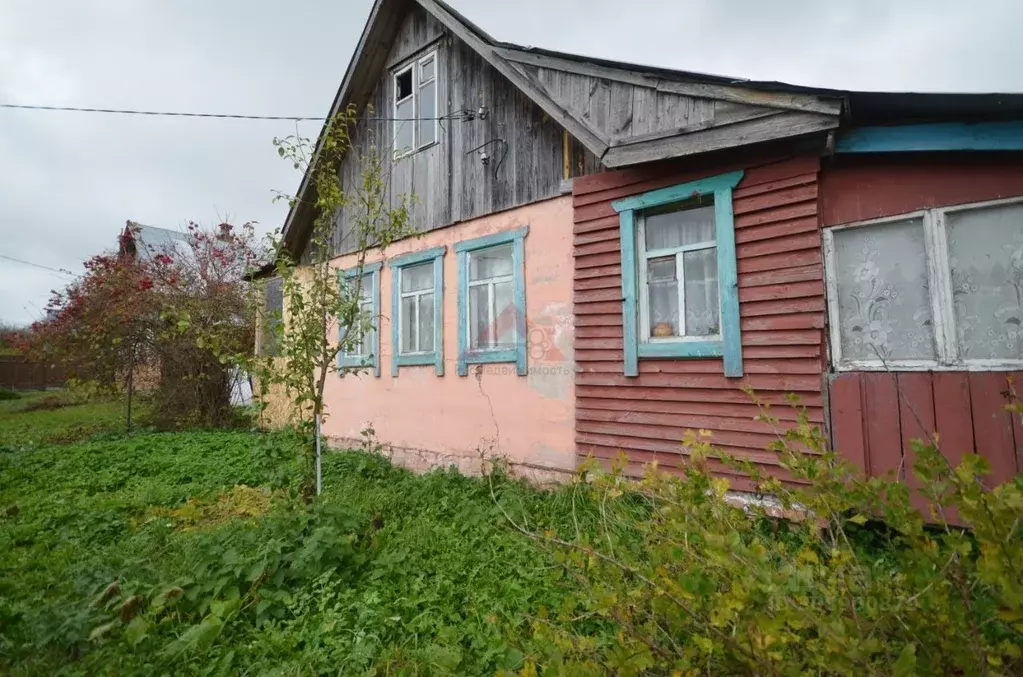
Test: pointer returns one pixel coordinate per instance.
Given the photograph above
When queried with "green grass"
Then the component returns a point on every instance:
(389, 573)
(20, 428)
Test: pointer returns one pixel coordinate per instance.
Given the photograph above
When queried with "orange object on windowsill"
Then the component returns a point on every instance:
(663, 330)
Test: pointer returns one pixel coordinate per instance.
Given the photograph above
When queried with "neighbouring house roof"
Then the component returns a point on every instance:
(806, 109)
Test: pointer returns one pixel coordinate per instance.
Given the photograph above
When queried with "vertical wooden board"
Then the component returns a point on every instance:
(599, 104)
(952, 415)
(992, 426)
(916, 416)
(881, 410)
(672, 111)
(619, 122)
(644, 110)
(1017, 419)
(847, 420)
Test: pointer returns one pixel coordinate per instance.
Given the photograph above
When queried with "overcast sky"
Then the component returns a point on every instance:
(69, 181)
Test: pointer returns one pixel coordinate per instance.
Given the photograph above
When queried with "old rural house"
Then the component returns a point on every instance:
(611, 252)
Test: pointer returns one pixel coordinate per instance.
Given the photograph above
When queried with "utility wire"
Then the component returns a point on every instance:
(38, 265)
(227, 116)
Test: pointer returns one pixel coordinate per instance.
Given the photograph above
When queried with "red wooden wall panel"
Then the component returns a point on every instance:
(875, 416)
(858, 189)
(781, 296)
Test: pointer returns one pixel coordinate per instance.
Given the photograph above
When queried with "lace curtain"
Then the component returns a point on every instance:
(883, 300)
(986, 256)
(698, 276)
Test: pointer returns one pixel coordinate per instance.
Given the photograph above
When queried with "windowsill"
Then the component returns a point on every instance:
(401, 156)
(417, 360)
(927, 365)
(689, 349)
(491, 356)
(363, 361)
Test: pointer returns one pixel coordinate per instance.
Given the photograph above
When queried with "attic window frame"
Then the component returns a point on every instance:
(414, 66)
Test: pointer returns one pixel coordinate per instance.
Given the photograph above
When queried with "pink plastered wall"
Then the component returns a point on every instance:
(427, 420)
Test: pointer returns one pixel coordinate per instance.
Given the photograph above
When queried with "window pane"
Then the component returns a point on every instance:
(663, 300)
(429, 70)
(883, 299)
(703, 312)
(417, 278)
(490, 263)
(666, 230)
(986, 251)
(427, 113)
(479, 317)
(403, 85)
(408, 324)
(404, 128)
(366, 308)
(426, 323)
(504, 305)
(661, 270)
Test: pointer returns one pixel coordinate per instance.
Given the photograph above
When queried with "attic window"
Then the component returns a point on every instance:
(416, 105)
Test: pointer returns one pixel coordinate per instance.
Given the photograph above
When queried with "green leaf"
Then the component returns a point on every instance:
(137, 630)
(906, 665)
(858, 519)
(102, 631)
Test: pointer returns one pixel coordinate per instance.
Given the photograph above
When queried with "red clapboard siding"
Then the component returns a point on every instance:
(875, 417)
(781, 296)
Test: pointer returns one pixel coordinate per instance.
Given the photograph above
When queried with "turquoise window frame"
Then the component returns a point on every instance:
(729, 347)
(372, 361)
(517, 354)
(436, 358)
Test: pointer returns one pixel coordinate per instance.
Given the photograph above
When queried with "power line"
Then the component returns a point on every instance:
(224, 116)
(38, 265)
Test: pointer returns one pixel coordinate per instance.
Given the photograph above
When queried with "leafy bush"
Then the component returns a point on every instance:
(9, 395)
(855, 584)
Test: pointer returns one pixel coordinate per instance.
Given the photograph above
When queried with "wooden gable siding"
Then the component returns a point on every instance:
(781, 296)
(875, 416)
(450, 184)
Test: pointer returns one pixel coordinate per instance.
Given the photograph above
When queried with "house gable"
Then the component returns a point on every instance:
(551, 117)
(448, 179)
(644, 114)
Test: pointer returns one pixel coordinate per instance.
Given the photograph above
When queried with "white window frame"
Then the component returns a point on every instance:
(366, 306)
(490, 283)
(402, 295)
(644, 257)
(416, 68)
(939, 280)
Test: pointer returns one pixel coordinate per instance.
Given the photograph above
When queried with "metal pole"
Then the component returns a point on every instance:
(319, 470)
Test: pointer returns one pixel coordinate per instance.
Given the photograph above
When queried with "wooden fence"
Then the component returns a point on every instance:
(17, 373)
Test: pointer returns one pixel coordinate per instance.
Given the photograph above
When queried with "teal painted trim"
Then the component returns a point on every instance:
(492, 240)
(414, 361)
(493, 357)
(630, 312)
(730, 345)
(417, 257)
(435, 357)
(680, 192)
(728, 283)
(463, 312)
(518, 355)
(682, 349)
(349, 273)
(519, 266)
(371, 361)
(438, 313)
(952, 136)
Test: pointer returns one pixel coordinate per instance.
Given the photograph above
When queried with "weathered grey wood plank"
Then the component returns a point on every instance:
(748, 131)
